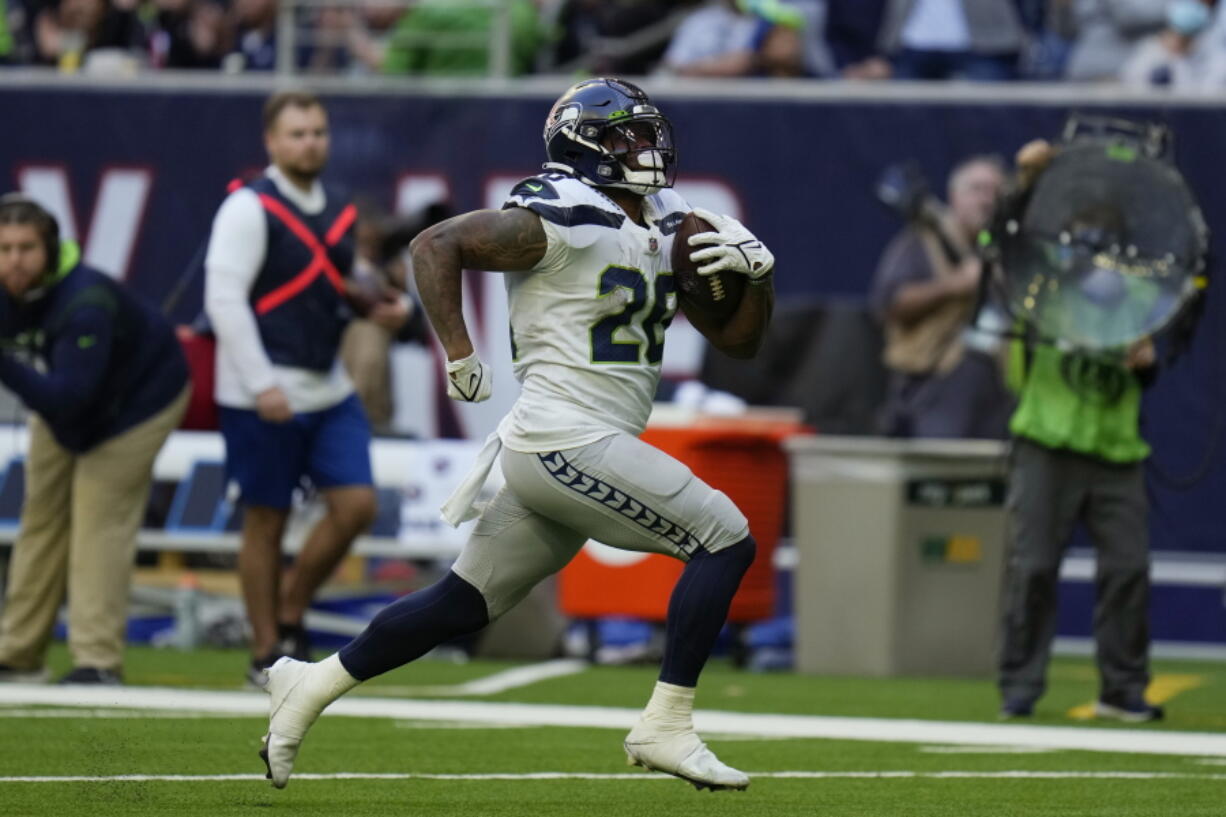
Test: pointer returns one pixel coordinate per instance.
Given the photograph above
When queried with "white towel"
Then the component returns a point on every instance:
(462, 505)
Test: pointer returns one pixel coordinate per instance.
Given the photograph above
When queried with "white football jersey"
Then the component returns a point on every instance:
(588, 322)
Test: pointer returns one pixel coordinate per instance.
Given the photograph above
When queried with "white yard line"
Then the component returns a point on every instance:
(457, 725)
(112, 714)
(984, 750)
(787, 775)
(1141, 741)
(499, 681)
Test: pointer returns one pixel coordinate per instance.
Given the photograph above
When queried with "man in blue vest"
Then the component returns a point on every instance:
(276, 286)
(107, 383)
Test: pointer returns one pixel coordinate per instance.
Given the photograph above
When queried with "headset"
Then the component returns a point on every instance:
(18, 208)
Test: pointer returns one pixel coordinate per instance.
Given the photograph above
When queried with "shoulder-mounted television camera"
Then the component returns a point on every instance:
(1106, 245)
(904, 190)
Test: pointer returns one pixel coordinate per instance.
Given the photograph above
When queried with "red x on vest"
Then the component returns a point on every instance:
(320, 263)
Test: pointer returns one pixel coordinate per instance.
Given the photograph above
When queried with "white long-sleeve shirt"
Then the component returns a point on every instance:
(235, 255)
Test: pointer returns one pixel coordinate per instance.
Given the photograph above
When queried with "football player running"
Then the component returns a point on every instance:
(585, 247)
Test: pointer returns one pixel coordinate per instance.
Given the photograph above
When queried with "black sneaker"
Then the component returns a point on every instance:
(93, 675)
(294, 642)
(12, 675)
(1129, 710)
(1016, 708)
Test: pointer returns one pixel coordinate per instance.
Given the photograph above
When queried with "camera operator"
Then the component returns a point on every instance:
(945, 381)
(1078, 456)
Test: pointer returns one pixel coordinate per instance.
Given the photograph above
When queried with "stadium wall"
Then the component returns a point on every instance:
(137, 167)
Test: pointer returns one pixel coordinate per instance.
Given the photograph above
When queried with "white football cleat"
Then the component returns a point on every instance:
(291, 714)
(684, 755)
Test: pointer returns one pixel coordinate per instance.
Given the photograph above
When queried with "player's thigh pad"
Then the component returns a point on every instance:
(511, 549)
(627, 494)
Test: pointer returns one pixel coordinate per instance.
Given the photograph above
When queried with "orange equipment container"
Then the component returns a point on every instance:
(739, 456)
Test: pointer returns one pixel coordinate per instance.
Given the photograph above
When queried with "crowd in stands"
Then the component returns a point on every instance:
(1173, 43)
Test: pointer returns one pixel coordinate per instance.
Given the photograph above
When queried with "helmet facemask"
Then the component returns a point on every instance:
(642, 148)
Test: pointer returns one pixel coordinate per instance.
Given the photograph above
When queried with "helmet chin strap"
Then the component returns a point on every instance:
(640, 189)
(642, 182)
(647, 180)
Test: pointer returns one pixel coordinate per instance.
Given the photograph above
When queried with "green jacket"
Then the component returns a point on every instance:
(1090, 405)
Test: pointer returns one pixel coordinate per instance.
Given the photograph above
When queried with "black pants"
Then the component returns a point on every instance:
(1049, 492)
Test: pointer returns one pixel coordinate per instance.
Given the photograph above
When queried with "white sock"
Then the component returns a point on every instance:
(671, 708)
(329, 680)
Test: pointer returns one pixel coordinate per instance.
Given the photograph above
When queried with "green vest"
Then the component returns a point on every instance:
(1077, 403)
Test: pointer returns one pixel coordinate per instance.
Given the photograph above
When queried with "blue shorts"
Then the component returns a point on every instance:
(269, 460)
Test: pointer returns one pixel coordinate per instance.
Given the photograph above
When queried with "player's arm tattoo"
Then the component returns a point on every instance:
(500, 240)
(510, 240)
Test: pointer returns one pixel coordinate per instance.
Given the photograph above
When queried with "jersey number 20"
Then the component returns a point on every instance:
(605, 347)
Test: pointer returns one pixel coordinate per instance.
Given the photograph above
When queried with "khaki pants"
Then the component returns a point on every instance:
(78, 534)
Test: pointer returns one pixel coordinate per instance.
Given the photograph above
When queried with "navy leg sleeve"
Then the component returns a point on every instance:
(410, 627)
(698, 607)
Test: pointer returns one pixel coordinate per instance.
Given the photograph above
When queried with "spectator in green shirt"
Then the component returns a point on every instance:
(452, 38)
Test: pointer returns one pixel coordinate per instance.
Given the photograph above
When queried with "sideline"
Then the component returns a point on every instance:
(795, 775)
(255, 704)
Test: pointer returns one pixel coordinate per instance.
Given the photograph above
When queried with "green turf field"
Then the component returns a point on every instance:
(117, 759)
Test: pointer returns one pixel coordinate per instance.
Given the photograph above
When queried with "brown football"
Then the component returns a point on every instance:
(716, 295)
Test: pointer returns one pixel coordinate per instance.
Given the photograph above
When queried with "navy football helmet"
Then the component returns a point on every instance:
(607, 133)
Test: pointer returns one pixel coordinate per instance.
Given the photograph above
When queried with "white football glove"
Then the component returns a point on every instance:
(468, 380)
(733, 248)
